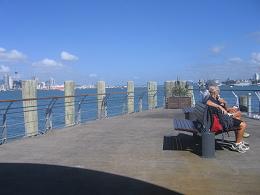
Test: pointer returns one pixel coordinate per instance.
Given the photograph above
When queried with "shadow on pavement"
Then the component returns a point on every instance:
(185, 142)
(21, 178)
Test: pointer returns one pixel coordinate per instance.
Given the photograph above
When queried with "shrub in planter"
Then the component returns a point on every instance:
(180, 97)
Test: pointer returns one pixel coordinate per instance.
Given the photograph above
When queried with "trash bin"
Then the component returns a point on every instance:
(208, 145)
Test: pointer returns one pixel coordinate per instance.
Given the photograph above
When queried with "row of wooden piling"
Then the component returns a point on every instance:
(29, 95)
(29, 91)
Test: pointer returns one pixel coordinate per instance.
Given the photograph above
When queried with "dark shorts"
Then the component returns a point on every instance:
(237, 122)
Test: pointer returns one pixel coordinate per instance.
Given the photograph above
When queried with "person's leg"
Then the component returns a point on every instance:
(238, 115)
(240, 146)
(240, 132)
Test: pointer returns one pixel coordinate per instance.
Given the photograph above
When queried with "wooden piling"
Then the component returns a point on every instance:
(152, 94)
(29, 91)
(130, 96)
(69, 90)
(168, 86)
(191, 94)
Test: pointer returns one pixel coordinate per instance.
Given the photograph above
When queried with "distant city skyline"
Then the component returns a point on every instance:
(116, 41)
(15, 83)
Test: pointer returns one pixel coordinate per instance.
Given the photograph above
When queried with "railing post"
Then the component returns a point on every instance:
(101, 94)
(29, 91)
(49, 121)
(69, 90)
(4, 130)
(79, 114)
(168, 86)
(237, 99)
(140, 104)
(104, 107)
(48, 115)
(130, 96)
(79, 110)
(243, 103)
(258, 96)
(3, 137)
(152, 97)
(249, 104)
(155, 95)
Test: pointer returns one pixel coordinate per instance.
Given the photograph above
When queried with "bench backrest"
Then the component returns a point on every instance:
(201, 114)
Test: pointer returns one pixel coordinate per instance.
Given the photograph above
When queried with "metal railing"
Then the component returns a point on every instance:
(51, 111)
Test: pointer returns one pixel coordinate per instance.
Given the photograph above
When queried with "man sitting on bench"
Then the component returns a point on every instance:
(213, 100)
(234, 111)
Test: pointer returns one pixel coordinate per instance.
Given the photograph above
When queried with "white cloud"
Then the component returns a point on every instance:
(92, 75)
(67, 56)
(4, 69)
(235, 60)
(12, 55)
(217, 49)
(2, 49)
(255, 58)
(47, 63)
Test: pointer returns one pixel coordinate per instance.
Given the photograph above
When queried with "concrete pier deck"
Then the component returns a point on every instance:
(124, 155)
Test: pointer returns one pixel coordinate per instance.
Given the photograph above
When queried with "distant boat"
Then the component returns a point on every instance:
(243, 84)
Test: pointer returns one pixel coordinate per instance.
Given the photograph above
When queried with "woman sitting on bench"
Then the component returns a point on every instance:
(214, 101)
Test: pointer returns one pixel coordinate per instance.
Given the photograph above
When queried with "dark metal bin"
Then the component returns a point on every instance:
(208, 145)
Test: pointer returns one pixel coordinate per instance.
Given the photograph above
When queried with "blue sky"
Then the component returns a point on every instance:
(124, 40)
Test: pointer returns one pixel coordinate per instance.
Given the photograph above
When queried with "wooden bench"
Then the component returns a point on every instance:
(200, 113)
(199, 128)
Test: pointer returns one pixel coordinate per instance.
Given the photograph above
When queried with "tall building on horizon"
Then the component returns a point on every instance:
(256, 77)
(8, 82)
(52, 81)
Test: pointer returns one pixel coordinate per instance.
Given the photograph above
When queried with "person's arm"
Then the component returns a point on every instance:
(230, 110)
(223, 103)
(210, 103)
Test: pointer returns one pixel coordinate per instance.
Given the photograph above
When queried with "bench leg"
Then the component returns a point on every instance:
(197, 143)
(208, 145)
(187, 115)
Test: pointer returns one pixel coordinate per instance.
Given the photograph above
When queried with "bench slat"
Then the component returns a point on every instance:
(191, 125)
(184, 125)
(198, 112)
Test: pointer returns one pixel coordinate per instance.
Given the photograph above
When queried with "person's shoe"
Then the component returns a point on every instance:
(238, 147)
(246, 135)
(245, 143)
(245, 147)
